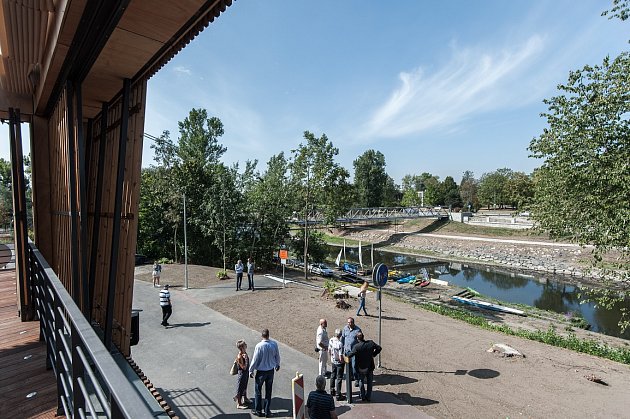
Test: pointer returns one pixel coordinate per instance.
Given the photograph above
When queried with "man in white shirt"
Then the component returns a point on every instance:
(165, 304)
(335, 350)
(321, 346)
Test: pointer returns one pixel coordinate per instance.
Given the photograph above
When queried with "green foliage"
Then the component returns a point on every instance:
(330, 286)
(222, 274)
(549, 336)
(370, 179)
(450, 192)
(468, 190)
(317, 246)
(492, 190)
(620, 10)
(519, 190)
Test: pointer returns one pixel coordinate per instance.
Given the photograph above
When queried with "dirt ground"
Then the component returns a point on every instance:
(438, 364)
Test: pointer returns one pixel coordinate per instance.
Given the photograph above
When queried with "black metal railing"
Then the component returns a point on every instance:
(89, 381)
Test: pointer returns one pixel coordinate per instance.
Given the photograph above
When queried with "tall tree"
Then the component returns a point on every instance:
(320, 183)
(468, 190)
(586, 168)
(370, 179)
(492, 188)
(519, 190)
(450, 192)
(191, 164)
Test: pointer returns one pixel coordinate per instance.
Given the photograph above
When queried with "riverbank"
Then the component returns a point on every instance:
(530, 253)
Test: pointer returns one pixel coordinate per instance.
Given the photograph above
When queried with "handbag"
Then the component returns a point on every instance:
(234, 369)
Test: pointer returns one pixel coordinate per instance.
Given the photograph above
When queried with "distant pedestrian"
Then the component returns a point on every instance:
(242, 379)
(321, 345)
(362, 294)
(335, 351)
(165, 303)
(250, 274)
(157, 271)
(349, 339)
(364, 353)
(265, 361)
(320, 405)
(238, 268)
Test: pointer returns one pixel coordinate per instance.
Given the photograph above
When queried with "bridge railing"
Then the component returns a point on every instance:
(89, 382)
(376, 214)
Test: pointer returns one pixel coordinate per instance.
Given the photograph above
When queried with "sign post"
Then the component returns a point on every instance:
(284, 255)
(379, 279)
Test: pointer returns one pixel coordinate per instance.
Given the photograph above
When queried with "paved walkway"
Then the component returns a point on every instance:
(189, 361)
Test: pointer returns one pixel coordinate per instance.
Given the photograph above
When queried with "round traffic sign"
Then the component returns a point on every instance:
(379, 275)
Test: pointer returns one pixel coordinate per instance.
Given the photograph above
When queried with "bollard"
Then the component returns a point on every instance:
(349, 378)
(297, 387)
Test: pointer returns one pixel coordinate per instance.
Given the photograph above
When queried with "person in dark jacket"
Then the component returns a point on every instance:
(364, 353)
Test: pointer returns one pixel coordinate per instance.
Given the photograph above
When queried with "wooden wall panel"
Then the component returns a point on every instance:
(60, 207)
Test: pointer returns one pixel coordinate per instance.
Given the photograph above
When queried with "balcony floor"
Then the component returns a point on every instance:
(22, 361)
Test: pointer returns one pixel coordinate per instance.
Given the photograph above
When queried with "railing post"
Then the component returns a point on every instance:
(78, 401)
(57, 332)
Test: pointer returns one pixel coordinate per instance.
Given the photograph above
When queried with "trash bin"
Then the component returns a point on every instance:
(135, 328)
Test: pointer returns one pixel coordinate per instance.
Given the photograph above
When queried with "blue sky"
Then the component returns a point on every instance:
(436, 86)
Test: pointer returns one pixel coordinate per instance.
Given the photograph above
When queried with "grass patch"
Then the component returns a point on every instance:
(549, 336)
(454, 227)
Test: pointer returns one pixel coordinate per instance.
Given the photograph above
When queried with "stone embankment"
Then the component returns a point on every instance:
(548, 257)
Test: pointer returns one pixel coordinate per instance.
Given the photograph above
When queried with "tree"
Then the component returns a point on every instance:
(582, 189)
(468, 190)
(6, 196)
(586, 152)
(450, 191)
(433, 193)
(191, 169)
(270, 208)
(370, 179)
(492, 187)
(319, 183)
(519, 190)
(391, 193)
(411, 187)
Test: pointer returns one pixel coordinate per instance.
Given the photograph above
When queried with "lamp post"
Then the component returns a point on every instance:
(185, 249)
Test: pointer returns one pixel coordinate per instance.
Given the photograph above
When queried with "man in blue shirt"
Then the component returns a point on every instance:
(266, 359)
(349, 339)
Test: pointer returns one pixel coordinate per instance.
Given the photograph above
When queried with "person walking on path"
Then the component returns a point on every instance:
(165, 303)
(250, 274)
(349, 339)
(362, 294)
(364, 353)
(321, 346)
(320, 405)
(265, 361)
(242, 378)
(238, 268)
(157, 271)
(335, 351)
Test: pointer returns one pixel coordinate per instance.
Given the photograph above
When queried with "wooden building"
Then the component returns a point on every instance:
(77, 72)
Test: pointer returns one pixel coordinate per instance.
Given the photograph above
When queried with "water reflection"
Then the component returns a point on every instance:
(546, 293)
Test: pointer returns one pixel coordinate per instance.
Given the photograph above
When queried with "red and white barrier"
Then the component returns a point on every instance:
(297, 387)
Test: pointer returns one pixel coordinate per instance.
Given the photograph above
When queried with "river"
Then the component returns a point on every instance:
(547, 292)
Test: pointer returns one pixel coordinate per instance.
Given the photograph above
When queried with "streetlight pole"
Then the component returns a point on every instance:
(185, 249)
(306, 222)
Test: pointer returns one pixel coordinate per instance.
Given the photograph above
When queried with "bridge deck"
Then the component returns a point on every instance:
(22, 361)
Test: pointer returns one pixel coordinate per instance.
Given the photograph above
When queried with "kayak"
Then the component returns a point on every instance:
(406, 279)
(488, 306)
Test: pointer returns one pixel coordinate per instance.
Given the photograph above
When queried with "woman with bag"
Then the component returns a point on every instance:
(242, 363)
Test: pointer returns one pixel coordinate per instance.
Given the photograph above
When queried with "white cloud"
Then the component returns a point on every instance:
(182, 70)
(471, 82)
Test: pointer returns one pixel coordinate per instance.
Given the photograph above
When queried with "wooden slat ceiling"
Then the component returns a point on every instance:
(36, 36)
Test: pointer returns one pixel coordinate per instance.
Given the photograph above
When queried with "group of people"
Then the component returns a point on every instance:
(346, 346)
(264, 362)
(238, 268)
